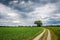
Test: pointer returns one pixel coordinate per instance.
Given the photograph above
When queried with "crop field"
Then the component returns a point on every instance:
(56, 31)
(19, 33)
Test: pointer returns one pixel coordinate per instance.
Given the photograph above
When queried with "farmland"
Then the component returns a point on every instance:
(55, 32)
(27, 33)
(19, 33)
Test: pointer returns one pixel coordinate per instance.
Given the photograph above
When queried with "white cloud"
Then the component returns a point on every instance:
(57, 16)
(39, 13)
(16, 21)
(3, 20)
(9, 13)
(43, 12)
(11, 16)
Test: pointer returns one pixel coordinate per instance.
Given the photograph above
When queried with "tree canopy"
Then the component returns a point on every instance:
(38, 22)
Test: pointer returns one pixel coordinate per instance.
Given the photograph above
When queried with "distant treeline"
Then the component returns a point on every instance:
(34, 26)
(18, 26)
(52, 26)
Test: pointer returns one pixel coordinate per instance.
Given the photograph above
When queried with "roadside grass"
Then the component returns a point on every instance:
(53, 35)
(55, 32)
(44, 37)
(19, 33)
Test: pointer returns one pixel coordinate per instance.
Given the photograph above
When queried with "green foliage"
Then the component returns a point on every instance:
(52, 26)
(18, 33)
(39, 23)
(56, 31)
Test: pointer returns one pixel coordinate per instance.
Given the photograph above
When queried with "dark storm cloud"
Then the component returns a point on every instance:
(3, 16)
(26, 6)
(53, 21)
(6, 2)
(29, 5)
(25, 12)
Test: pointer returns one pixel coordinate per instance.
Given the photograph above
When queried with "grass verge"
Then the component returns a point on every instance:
(19, 33)
(55, 32)
(44, 37)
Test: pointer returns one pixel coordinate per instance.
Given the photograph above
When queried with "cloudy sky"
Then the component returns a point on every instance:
(25, 12)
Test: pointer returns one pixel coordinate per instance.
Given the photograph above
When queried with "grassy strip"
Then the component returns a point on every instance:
(20, 33)
(44, 37)
(53, 34)
(37, 34)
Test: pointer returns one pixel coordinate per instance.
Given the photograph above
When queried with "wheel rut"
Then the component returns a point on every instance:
(45, 35)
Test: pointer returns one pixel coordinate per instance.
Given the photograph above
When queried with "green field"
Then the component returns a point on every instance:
(26, 33)
(56, 31)
(19, 33)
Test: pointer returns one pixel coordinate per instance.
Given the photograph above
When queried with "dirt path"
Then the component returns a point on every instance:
(48, 36)
(40, 35)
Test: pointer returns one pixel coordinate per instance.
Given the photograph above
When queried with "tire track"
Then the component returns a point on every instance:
(43, 33)
(49, 35)
(40, 35)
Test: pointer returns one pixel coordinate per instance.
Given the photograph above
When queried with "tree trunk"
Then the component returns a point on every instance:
(38, 25)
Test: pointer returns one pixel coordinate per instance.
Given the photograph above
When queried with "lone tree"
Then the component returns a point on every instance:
(39, 23)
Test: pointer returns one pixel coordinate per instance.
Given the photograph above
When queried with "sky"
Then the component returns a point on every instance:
(25, 12)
